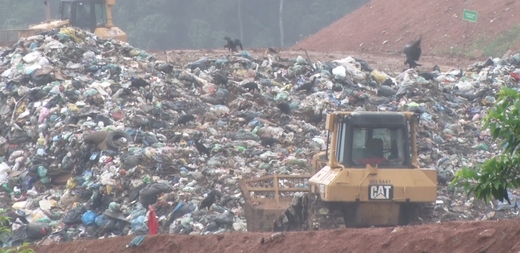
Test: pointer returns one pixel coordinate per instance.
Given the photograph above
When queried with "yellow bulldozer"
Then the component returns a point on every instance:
(368, 175)
(91, 15)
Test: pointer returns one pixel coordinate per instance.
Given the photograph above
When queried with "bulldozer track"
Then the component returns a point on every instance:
(322, 215)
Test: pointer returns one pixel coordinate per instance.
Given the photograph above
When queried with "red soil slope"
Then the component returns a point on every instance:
(387, 25)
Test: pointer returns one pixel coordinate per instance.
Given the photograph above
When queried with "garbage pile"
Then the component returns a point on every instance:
(97, 134)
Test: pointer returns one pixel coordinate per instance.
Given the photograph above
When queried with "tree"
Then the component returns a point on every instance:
(199, 33)
(498, 174)
(241, 28)
(280, 16)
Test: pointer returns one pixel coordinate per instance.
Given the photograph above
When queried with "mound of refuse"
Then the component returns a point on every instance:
(101, 139)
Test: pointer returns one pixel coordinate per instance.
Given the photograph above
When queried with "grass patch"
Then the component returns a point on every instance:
(490, 46)
(498, 46)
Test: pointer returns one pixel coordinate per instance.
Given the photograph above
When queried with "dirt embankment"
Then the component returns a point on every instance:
(454, 237)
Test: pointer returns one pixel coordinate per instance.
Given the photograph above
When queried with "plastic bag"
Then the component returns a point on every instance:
(74, 216)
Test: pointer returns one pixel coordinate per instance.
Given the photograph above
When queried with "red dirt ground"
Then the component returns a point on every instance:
(400, 21)
(453, 237)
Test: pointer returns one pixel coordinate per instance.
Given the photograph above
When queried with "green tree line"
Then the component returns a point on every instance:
(195, 24)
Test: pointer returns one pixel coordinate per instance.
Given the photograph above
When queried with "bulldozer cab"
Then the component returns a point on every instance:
(85, 14)
(373, 138)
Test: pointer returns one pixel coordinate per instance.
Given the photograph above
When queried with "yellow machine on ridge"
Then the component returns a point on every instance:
(92, 15)
(368, 176)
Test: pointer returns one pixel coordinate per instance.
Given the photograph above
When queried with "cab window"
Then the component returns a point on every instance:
(382, 146)
(101, 15)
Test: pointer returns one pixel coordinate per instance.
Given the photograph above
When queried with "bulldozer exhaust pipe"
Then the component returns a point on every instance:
(47, 10)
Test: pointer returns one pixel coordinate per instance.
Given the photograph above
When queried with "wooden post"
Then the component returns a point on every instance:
(280, 20)
(276, 193)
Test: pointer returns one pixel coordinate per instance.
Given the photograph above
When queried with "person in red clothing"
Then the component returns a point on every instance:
(153, 223)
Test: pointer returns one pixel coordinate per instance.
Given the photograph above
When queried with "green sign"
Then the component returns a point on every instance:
(469, 15)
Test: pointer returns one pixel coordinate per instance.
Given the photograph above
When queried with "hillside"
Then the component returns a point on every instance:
(385, 26)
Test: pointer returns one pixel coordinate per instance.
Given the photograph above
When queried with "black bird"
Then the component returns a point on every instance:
(201, 148)
(284, 107)
(461, 72)
(238, 43)
(388, 82)
(36, 94)
(208, 201)
(317, 118)
(96, 200)
(225, 200)
(271, 50)
(412, 51)
(364, 65)
(138, 82)
(429, 75)
(184, 119)
(436, 68)
(308, 86)
(267, 141)
(251, 86)
(149, 97)
(220, 79)
(233, 44)
(230, 45)
(56, 100)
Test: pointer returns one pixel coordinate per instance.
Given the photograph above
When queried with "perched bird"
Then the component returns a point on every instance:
(412, 51)
(429, 75)
(149, 97)
(436, 68)
(201, 148)
(284, 107)
(317, 118)
(138, 82)
(487, 63)
(220, 79)
(238, 43)
(166, 68)
(225, 200)
(388, 82)
(308, 86)
(267, 141)
(231, 46)
(271, 50)
(184, 119)
(208, 201)
(364, 65)
(461, 72)
(251, 86)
